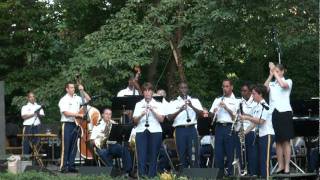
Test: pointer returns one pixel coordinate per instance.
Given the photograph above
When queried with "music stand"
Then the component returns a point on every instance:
(167, 132)
(120, 132)
(204, 126)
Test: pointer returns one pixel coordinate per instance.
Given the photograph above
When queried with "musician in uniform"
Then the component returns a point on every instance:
(107, 150)
(262, 118)
(279, 98)
(184, 111)
(248, 104)
(148, 114)
(30, 113)
(69, 106)
(224, 109)
(133, 88)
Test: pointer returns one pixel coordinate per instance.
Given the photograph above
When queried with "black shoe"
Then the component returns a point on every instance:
(280, 172)
(73, 170)
(286, 173)
(63, 170)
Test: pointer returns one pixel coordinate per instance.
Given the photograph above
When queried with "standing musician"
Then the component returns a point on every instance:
(107, 149)
(30, 114)
(279, 97)
(224, 108)
(262, 118)
(148, 114)
(69, 106)
(248, 105)
(184, 111)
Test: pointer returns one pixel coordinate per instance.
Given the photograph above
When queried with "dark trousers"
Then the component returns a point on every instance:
(313, 159)
(69, 145)
(224, 147)
(26, 140)
(265, 146)
(148, 147)
(252, 154)
(118, 151)
(205, 152)
(187, 139)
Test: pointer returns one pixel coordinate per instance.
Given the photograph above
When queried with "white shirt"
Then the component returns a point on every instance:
(223, 116)
(207, 140)
(69, 104)
(98, 131)
(248, 107)
(279, 97)
(127, 92)
(181, 118)
(266, 115)
(154, 125)
(30, 109)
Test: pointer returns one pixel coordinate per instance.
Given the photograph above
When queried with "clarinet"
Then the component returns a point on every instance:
(215, 114)
(243, 146)
(184, 97)
(147, 115)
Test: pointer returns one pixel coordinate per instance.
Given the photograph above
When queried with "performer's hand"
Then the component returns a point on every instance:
(244, 117)
(271, 65)
(188, 102)
(80, 87)
(79, 115)
(205, 113)
(222, 104)
(215, 110)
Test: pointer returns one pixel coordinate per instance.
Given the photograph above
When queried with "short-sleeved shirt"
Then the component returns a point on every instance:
(127, 92)
(30, 109)
(248, 107)
(280, 97)
(69, 104)
(154, 125)
(223, 116)
(181, 118)
(266, 116)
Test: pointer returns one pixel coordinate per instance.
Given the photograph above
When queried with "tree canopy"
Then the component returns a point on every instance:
(44, 44)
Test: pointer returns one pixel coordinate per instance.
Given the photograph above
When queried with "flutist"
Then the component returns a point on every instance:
(184, 111)
(224, 109)
(148, 114)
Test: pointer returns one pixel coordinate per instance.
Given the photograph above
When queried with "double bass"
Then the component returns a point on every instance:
(91, 117)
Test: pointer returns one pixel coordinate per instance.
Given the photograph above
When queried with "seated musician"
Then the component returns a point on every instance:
(30, 114)
(105, 149)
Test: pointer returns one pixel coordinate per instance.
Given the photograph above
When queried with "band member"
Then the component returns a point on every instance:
(107, 150)
(279, 97)
(206, 147)
(224, 108)
(132, 89)
(248, 104)
(69, 108)
(30, 113)
(148, 114)
(184, 111)
(163, 93)
(262, 118)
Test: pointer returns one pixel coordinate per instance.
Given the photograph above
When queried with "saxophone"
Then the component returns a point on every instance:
(101, 141)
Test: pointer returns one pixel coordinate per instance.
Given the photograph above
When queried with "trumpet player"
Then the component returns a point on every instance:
(148, 114)
(224, 109)
(105, 149)
(184, 111)
(262, 118)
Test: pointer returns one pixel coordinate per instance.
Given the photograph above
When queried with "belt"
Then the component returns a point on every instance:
(185, 126)
(224, 124)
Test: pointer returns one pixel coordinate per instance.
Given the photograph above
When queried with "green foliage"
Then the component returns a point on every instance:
(103, 42)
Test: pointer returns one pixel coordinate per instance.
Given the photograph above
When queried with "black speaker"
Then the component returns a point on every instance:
(94, 170)
(201, 173)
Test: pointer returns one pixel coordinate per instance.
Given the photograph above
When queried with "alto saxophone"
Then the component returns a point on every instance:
(101, 141)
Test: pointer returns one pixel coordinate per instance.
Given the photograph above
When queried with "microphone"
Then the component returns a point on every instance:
(97, 96)
(265, 106)
(37, 110)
